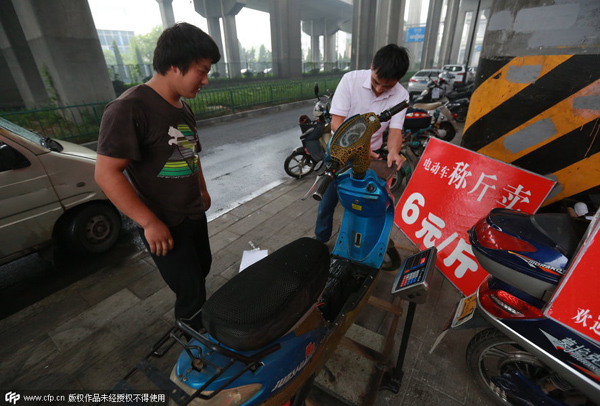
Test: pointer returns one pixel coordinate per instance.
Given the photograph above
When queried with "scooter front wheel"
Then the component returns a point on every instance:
(493, 358)
(298, 165)
(446, 131)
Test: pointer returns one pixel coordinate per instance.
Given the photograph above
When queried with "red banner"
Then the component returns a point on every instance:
(575, 303)
(450, 190)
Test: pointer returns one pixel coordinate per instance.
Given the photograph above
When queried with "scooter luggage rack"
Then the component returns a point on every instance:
(163, 382)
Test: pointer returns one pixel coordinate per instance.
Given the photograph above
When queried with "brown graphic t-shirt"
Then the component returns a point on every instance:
(161, 143)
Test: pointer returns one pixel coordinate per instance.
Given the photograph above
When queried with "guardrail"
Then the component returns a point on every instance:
(137, 73)
(80, 123)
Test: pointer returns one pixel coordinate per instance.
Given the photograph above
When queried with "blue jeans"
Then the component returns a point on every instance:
(324, 226)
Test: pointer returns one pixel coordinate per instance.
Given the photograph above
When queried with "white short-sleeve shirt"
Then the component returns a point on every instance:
(354, 95)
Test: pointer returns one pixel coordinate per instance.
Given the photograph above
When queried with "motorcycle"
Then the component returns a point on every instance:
(458, 102)
(436, 89)
(315, 136)
(518, 359)
(425, 120)
(269, 330)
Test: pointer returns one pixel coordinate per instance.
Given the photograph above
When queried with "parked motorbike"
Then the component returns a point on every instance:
(436, 89)
(269, 330)
(441, 125)
(458, 102)
(520, 358)
(315, 136)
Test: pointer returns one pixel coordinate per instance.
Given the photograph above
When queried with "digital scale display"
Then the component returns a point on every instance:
(412, 280)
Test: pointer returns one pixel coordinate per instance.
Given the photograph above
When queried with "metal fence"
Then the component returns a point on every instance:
(81, 123)
(138, 73)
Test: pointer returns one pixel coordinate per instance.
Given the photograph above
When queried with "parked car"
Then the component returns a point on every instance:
(48, 194)
(418, 82)
(460, 71)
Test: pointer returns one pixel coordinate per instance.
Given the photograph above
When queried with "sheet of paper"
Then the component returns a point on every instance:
(252, 256)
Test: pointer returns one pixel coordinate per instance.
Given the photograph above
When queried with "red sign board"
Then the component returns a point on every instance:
(575, 303)
(450, 190)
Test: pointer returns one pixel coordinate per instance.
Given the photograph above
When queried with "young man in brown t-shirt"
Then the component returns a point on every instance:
(150, 132)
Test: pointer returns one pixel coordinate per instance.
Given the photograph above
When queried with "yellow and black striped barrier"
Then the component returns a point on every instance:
(541, 113)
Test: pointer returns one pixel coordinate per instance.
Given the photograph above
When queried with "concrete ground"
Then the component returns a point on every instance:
(87, 336)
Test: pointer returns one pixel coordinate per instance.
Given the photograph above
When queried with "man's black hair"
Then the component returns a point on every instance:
(181, 45)
(391, 62)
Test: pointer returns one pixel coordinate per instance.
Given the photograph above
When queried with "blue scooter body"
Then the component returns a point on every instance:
(276, 369)
(365, 230)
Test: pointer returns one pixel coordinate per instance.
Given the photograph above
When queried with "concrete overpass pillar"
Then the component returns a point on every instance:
(166, 13)
(363, 34)
(431, 32)
(390, 23)
(22, 84)
(330, 48)
(450, 28)
(66, 50)
(327, 28)
(232, 48)
(314, 48)
(285, 38)
(212, 10)
(214, 30)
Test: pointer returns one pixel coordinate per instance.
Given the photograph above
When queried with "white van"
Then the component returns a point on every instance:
(48, 193)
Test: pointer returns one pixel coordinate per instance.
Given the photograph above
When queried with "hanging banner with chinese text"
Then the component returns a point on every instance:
(575, 303)
(450, 190)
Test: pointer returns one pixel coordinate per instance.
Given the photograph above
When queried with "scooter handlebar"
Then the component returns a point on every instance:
(386, 115)
(323, 185)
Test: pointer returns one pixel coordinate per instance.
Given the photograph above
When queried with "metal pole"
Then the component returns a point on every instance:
(472, 42)
(393, 380)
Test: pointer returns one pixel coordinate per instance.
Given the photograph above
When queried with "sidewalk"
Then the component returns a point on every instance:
(90, 334)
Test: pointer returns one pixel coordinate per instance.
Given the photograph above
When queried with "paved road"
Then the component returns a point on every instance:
(241, 159)
(244, 158)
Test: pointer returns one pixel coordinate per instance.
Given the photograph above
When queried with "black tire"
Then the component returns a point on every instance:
(91, 229)
(392, 259)
(490, 354)
(401, 177)
(298, 165)
(446, 131)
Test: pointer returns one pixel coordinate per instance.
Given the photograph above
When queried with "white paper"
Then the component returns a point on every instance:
(252, 256)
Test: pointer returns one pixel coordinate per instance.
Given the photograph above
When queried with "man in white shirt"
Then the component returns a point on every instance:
(363, 91)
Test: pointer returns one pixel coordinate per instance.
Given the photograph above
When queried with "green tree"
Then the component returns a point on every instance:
(145, 44)
(109, 57)
(264, 55)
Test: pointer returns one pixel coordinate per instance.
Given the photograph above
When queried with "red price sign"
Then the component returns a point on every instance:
(450, 190)
(575, 303)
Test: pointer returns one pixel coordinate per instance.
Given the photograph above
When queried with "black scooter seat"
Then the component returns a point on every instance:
(262, 303)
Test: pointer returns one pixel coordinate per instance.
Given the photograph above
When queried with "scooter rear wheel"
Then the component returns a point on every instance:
(298, 165)
(490, 354)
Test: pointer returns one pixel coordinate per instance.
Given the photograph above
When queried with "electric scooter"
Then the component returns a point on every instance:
(271, 328)
(523, 357)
